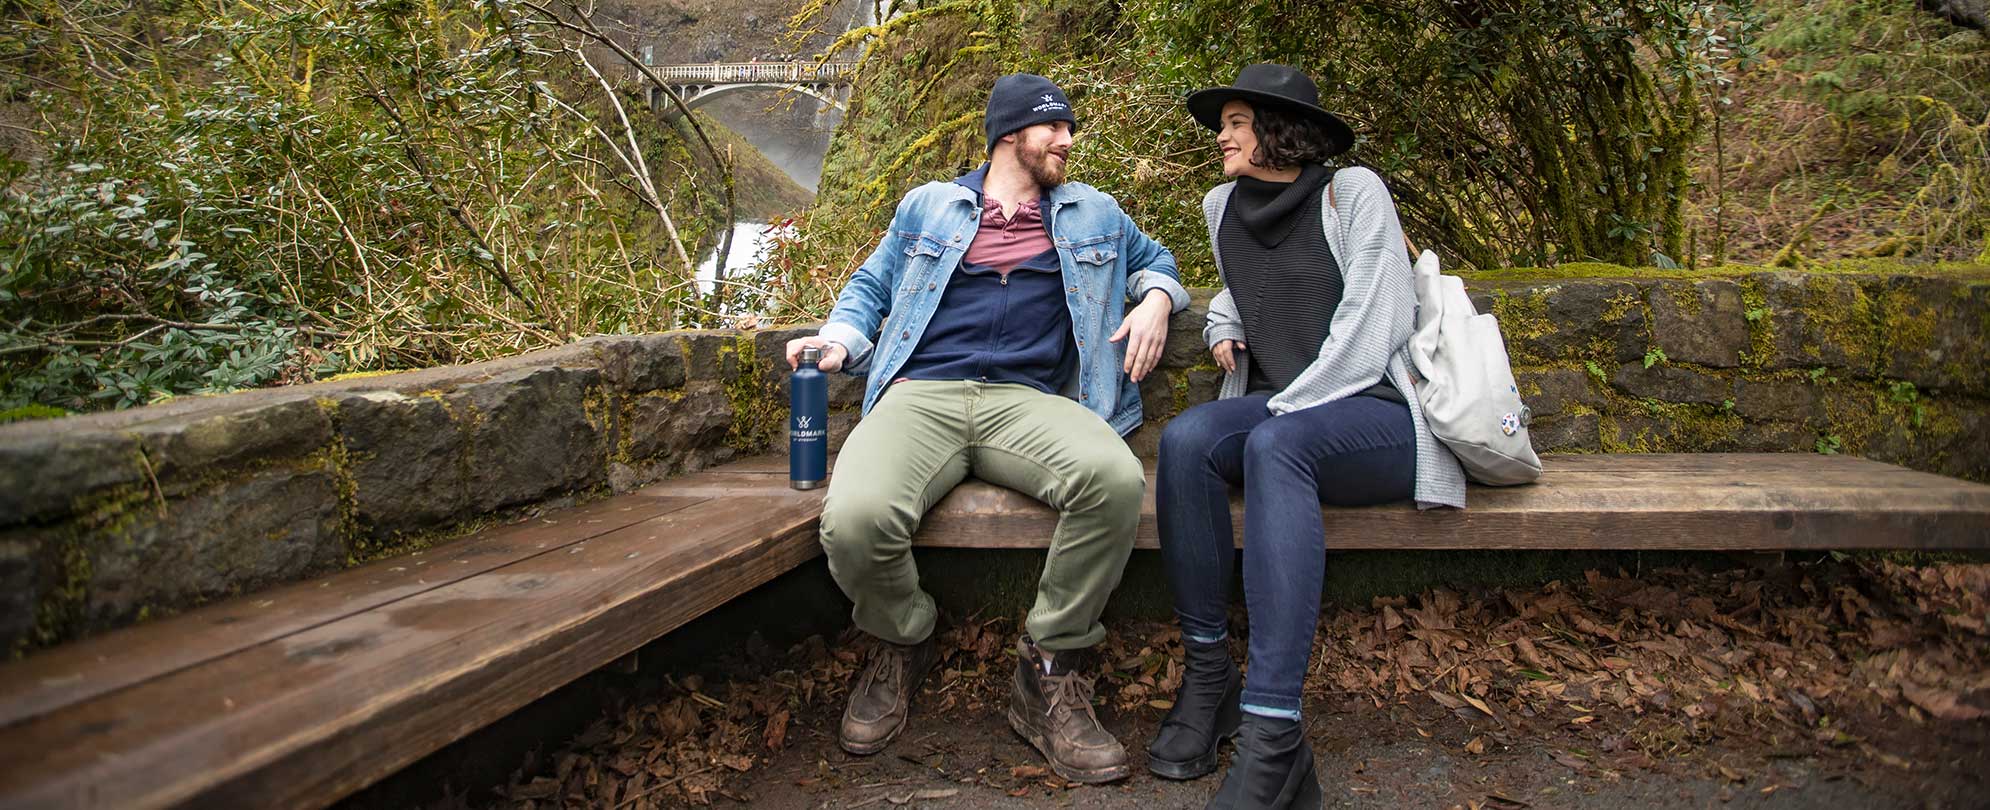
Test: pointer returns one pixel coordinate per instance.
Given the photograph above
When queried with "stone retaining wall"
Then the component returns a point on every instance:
(111, 518)
(107, 519)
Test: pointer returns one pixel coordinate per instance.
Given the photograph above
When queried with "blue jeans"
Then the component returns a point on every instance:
(1350, 452)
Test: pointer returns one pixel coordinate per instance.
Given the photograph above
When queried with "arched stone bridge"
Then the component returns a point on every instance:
(827, 82)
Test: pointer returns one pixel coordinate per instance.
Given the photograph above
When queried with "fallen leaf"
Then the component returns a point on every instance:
(1027, 771)
(540, 788)
(1888, 759)
(1941, 703)
(929, 794)
(1530, 654)
(1476, 746)
(1390, 619)
(776, 734)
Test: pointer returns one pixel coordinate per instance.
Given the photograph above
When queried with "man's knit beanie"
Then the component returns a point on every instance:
(1021, 100)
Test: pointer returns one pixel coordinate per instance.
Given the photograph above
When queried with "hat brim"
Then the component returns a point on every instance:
(1207, 107)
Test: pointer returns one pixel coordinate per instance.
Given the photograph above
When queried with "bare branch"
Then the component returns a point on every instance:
(449, 202)
(633, 159)
(587, 28)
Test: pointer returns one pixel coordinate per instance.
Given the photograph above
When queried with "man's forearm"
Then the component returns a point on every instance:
(1147, 282)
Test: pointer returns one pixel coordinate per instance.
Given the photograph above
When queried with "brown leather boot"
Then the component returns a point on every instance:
(1053, 710)
(881, 700)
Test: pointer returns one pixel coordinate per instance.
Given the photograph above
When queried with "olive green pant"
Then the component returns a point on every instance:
(924, 437)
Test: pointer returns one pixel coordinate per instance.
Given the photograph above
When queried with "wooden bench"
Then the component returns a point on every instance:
(298, 696)
(1698, 501)
(301, 695)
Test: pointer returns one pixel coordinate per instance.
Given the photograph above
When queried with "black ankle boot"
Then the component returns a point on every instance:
(1205, 713)
(1272, 769)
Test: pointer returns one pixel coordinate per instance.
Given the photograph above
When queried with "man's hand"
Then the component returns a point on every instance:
(833, 353)
(1145, 331)
(1225, 352)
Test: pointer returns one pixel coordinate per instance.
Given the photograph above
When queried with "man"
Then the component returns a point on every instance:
(990, 326)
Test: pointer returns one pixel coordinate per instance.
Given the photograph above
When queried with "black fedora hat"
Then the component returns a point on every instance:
(1276, 85)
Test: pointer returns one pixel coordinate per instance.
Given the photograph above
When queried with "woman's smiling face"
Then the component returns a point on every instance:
(1236, 138)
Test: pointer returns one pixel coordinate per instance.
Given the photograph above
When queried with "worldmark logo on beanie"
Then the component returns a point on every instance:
(1022, 100)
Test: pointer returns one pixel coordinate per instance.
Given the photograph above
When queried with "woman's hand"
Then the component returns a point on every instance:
(1145, 331)
(1225, 353)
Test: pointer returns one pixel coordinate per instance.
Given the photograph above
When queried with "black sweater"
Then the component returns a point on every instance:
(1283, 276)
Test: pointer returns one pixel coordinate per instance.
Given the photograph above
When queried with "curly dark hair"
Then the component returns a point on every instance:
(1286, 140)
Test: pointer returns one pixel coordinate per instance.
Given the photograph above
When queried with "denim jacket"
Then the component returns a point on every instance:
(1106, 261)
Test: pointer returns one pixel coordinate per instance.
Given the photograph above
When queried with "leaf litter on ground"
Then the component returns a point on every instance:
(1614, 674)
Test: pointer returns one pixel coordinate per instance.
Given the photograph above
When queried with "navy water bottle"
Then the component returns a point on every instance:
(808, 423)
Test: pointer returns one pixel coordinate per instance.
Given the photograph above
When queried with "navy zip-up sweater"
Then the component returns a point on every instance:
(995, 327)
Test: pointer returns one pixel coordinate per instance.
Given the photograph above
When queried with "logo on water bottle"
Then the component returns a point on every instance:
(803, 430)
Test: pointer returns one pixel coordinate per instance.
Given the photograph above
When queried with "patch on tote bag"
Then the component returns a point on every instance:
(1509, 424)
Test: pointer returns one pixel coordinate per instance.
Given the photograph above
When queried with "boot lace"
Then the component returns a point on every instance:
(1070, 696)
(886, 665)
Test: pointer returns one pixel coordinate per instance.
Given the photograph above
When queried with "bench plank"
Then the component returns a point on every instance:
(1706, 501)
(303, 720)
(721, 483)
(132, 655)
(1731, 502)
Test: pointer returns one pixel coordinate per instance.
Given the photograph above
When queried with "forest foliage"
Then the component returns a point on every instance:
(203, 196)
(244, 193)
(1512, 132)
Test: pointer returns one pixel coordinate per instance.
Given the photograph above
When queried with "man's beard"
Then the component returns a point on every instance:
(1036, 161)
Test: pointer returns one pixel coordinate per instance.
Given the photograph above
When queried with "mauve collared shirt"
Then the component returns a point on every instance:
(1003, 243)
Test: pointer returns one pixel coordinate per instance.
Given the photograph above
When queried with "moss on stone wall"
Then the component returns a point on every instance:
(105, 517)
(758, 409)
(1761, 326)
(598, 406)
(1523, 316)
(31, 412)
(336, 460)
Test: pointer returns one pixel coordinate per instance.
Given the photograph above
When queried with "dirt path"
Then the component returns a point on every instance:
(1368, 758)
(1846, 685)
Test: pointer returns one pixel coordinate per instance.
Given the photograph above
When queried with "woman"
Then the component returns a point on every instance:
(1316, 407)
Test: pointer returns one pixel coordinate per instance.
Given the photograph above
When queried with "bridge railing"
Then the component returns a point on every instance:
(780, 72)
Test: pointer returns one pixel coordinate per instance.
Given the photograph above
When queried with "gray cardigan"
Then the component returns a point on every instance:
(1371, 329)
